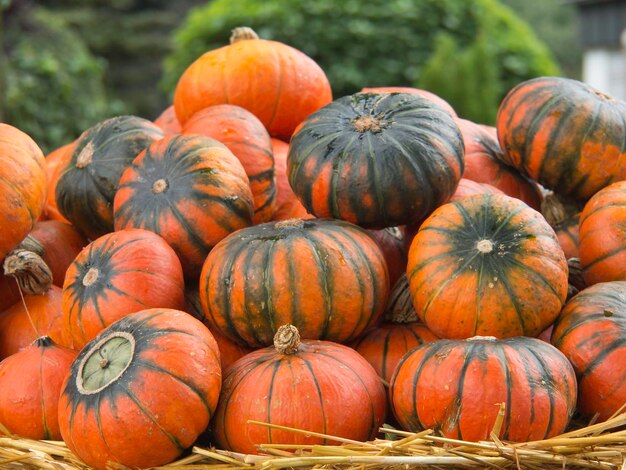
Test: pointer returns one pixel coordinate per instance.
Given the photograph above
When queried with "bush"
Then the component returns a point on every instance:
(379, 43)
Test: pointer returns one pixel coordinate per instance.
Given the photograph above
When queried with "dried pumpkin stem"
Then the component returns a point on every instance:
(289, 223)
(287, 339)
(31, 272)
(90, 277)
(85, 157)
(484, 246)
(556, 210)
(159, 186)
(242, 33)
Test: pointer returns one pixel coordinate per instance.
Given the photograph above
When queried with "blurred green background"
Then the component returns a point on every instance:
(66, 64)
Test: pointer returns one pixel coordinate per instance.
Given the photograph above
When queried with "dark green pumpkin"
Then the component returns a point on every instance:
(377, 160)
(88, 180)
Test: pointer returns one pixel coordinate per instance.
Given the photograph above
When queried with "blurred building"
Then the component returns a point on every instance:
(603, 38)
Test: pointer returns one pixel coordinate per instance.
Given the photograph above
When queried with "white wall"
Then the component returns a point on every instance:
(605, 69)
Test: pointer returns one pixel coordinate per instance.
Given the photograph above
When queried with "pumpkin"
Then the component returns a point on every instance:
(415, 91)
(318, 386)
(391, 242)
(54, 161)
(89, 177)
(591, 332)
(483, 164)
(142, 391)
(487, 265)
(603, 235)
(564, 134)
(456, 387)
(385, 344)
(22, 186)
(287, 204)
(35, 316)
(168, 122)
(9, 292)
(377, 160)
(245, 136)
(326, 277)
(564, 217)
(280, 85)
(30, 385)
(189, 189)
(117, 274)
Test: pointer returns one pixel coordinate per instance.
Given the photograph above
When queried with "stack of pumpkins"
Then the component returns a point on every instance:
(263, 253)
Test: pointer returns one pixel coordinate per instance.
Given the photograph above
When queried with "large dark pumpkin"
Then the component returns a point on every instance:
(456, 386)
(328, 278)
(487, 265)
(591, 332)
(189, 189)
(142, 391)
(377, 160)
(88, 179)
(564, 134)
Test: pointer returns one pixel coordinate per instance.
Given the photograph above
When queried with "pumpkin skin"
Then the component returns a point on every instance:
(32, 378)
(483, 164)
(9, 292)
(376, 160)
(318, 386)
(22, 186)
(142, 391)
(54, 161)
(244, 135)
(117, 274)
(277, 83)
(45, 312)
(564, 134)
(591, 332)
(391, 242)
(455, 387)
(569, 236)
(487, 265)
(603, 236)
(328, 278)
(168, 122)
(415, 91)
(287, 204)
(89, 179)
(189, 189)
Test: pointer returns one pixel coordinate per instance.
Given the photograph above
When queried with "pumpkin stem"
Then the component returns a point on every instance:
(242, 33)
(575, 277)
(31, 272)
(85, 157)
(289, 223)
(491, 339)
(159, 186)
(90, 277)
(287, 339)
(557, 210)
(368, 123)
(484, 246)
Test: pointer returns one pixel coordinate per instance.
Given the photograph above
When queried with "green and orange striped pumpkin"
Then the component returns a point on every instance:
(413, 91)
(564, 134)
(328, 278)
(591, 332)
(376, 160)
(487, 265)
(456, 387)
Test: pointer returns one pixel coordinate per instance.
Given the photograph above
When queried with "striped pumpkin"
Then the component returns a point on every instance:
(54, 161)
(564, 134)
(591, 332)
(328, 278)
(487, 265)
(142, 391)
(456, 386)
(117, 274)
(376, 160)
(391, 242)
(602, 246)
(414, 91)
(244, 135)
(317, 386)
(189, 189)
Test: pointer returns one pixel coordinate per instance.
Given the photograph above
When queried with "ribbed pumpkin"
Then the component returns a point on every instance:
(391, 242)
(22, 186)
(564, 134)
(117, 274)
(88, 181)
(142, 391)
(317, 386)
(168, 122)
(328, 278)
(483, 164)
(244, 135)
(603, 235)
(414, 91)
(189, 189)
(9, 292)
(456, 386)
(287, 204)
(377, 160)
(487, 265)
(277, 83)
(591, 332)
(30, 385)
(35, 316)
(54, 161)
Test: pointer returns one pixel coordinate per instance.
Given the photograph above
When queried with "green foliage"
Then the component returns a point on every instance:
(53, 87)
(377, 43)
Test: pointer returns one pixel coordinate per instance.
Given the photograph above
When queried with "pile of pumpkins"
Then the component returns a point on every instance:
(262, 252)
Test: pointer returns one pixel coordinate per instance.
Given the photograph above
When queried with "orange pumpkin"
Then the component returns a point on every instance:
(168, 122)
(277, 83)
(54, 161)
(287, 204)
